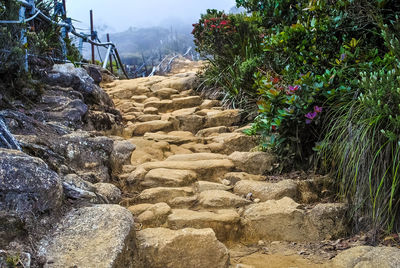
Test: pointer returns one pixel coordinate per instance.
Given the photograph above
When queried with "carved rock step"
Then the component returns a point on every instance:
(174, 137)
(168, 178)
(164, 194)
(285, 220)
(139, 129)
(267, 190)
(165, 248)
(366, 256)
(227, 143)
(196, 157)
(209, 170)
(225, 223)
(218, 199)
(150, 215)
(94, 237)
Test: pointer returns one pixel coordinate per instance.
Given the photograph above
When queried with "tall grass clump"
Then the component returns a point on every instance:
(362, 146)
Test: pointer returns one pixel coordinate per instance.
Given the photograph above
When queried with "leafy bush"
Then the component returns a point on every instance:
(43, 38)
(11, 51)
(231, 44)
(321, 54)
(319, 91)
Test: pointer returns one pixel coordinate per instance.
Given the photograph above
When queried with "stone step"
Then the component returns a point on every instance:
(150, 215)
(208, 104)
(206, 132)
(196, 157)
(201, 186)
(253, 162)
(209, 170)
(165, 248)
(232, 178)
(225, 223)
(148, 117)
(286, 220)
(161, 177)
(227, 143)
(96, 236)
(164, 93)
(218, 199)
(174, 137)
(222, 118)
(264, 191)
(188, 122)
(164, 194)
(139, 129)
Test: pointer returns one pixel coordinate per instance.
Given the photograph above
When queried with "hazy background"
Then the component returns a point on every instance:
(144, 31)
(118, 15)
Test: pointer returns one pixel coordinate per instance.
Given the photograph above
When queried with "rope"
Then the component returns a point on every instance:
(20, 21)
(67, 24)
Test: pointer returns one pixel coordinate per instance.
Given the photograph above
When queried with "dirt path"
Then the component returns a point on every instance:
(194, 168)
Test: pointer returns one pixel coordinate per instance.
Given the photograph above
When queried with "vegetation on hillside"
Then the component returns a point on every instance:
(151, 44)
(324, 79)
(42, 38)
(43, 44)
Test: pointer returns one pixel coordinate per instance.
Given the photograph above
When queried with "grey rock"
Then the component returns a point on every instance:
(164, 248)
(368, 257)
(27, 185)
(109, 191)
(121, 154)
(94, 237)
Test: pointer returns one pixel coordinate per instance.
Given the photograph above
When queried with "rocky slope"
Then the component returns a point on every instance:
(193, 187)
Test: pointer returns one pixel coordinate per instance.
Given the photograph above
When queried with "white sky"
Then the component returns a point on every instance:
(118, 15)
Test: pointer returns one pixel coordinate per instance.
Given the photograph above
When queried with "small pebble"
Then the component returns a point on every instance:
(257, 200)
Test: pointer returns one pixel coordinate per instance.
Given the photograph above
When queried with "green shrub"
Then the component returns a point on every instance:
(232, 46)
(319, 91)
(362, 144)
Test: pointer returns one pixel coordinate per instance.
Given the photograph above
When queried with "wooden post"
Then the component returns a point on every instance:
(111, 61)
(92, 35)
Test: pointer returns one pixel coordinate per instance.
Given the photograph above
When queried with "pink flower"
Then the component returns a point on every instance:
(311, 115)
(293, 89)
(213, 26)
(317, 109)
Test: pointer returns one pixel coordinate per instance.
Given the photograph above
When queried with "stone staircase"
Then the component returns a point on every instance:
(197, 188)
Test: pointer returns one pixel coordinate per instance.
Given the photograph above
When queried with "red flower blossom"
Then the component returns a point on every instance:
(275, 80)
(273, 128)
(213, 26)
(224, 22)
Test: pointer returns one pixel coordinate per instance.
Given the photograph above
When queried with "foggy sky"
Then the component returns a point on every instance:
(118, 15)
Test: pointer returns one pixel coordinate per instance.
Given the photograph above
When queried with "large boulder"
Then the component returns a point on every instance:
(28, 188)
(286, 220)
(86, 155)
(267, 190)
(121, 155)
(368, 257)
(224, 222)
(27, 185)
(252, 162)
(164, 248)
(61, 105)
(151, 215)
(98, 236)
(66, 75)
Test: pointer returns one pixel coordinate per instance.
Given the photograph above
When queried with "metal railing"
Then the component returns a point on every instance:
(66, 27)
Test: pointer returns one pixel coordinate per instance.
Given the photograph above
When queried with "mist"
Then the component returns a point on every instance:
(119, 15)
